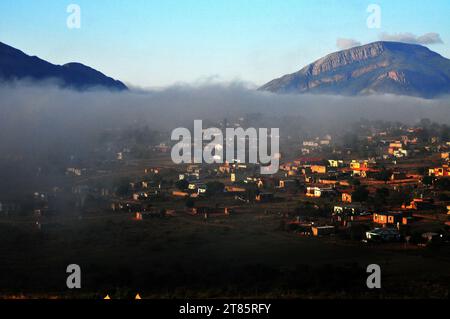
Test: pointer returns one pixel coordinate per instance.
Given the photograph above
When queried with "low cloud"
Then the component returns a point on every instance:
(426, 39)
(343, 43)
(36, 119)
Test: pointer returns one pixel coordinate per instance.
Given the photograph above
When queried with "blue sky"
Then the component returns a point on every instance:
(153, 43)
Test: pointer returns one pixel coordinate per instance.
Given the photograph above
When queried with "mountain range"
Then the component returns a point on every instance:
(376, 68)
(16, 65)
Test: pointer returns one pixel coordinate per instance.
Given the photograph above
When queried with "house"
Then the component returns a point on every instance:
(347, 197)
(383, 234)
(180, 194)
(354, 165)
(162, 148)
(329, 181)
(395, 146)
(286, 167)
(144, 195)
(350, 209)
(406, 220)
(193, 168)
(318, 169)
(242, 197)
(75, 171)
(420, 204)
(292, 170)
(397, 176)
(313, 192)
(234, 189)
(202, 189)
(206, 211)
(388, 218)
(335, 163)
(139, 216)
(190, 176)
(10, 207)
(432, 237)
(440, 171)
(400, 153)
(80, 189)
(264, 197)
(225, 169)
(288, 183)
(312, 144)
(318, 231)
(194, 185)
(151, 170)
(319, 192)
(198, 187)
(147, 215)
(305, 151)
(254, 180)
(359, 168)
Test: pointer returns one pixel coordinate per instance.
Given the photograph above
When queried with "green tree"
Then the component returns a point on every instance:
(182, 184)
(123, 187)
(190, 203)
(215, 187)
(361, 194)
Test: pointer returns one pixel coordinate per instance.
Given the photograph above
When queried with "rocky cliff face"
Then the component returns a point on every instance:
(380, 67)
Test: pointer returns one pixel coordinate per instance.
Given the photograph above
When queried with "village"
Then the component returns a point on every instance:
(401, 191)
(390, 188)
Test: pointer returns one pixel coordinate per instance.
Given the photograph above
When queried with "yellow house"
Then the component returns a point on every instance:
(346, 197)
(322, 230)
(394, 146)
(319, 169)
(391, 218)
(355, 165)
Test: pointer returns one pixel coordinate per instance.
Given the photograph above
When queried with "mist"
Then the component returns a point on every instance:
(39, 117)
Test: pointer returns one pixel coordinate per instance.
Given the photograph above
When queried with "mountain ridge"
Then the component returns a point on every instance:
(375, 68)
(17, 65)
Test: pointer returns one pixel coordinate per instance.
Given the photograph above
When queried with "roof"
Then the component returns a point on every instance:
(382, 231)
(324, 227)
(390, 213)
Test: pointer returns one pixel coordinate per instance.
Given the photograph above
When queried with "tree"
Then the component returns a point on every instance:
(443, 184)
(384, 175)
(190, 203)
(381, 196)
(428, 180)
(215, 187)
(361, 194)
(123, 187)
(182, 184)
(355, 182)
(382, 192)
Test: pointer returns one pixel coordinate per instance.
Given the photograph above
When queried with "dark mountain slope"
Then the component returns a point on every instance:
(16, 65)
